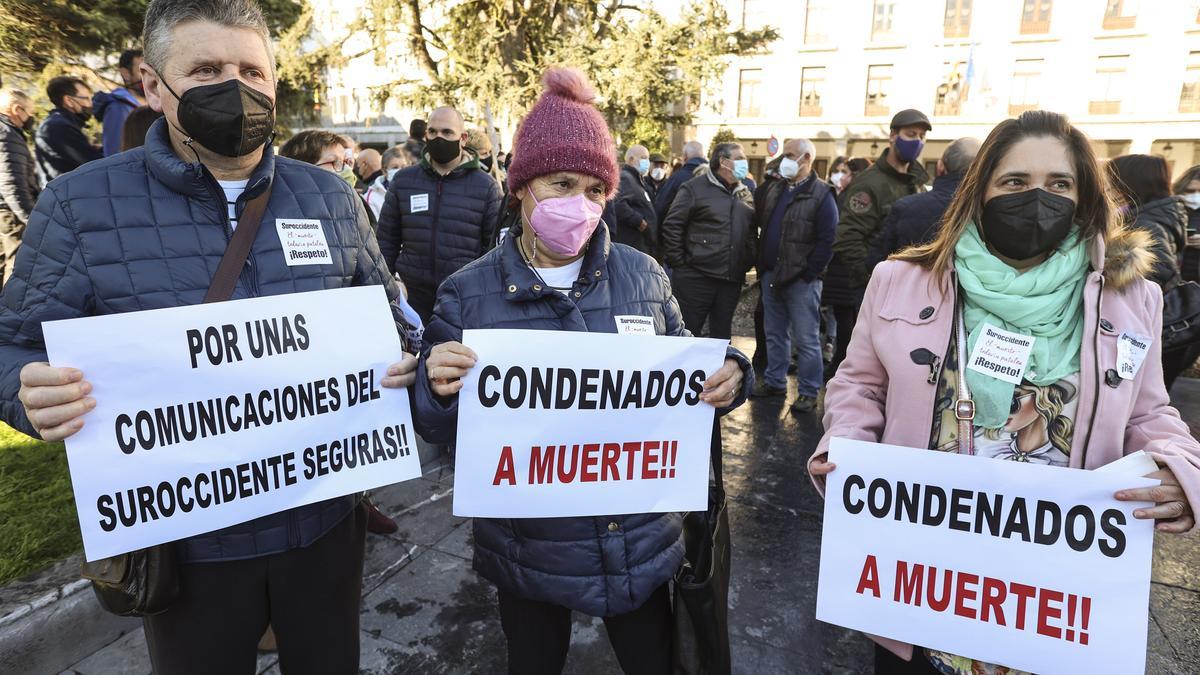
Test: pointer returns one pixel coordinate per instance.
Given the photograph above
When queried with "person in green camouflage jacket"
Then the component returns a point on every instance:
(867, 200)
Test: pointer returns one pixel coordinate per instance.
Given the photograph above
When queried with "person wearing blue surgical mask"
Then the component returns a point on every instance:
(709, 241)
(636, 224)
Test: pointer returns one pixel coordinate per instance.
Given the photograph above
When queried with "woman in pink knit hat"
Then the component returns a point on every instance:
(558, 270)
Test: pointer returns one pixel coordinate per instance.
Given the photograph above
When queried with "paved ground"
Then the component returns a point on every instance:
(425, 611)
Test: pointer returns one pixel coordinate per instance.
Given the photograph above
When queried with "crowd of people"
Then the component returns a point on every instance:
(870, 283)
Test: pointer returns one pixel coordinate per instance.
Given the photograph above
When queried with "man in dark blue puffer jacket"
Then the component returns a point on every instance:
(438, 215)
(146, 229)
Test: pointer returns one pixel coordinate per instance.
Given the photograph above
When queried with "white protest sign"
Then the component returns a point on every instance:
(1028, 566)
(559, 423)
(211, 415)
(1001, 353)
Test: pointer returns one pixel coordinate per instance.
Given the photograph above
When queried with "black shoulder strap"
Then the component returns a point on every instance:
(225, 280)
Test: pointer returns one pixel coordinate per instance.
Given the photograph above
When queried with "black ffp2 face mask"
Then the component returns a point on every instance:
(443, 151)
(1024, 225)
(228, 118)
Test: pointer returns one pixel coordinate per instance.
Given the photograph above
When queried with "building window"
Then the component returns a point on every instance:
(1035, 16)
(958, 18)
(1189, 96)
(749, 83)
(952, 89)
(755, 14)
(816, 22)
(1110, 80)
(1026, 86)
(881, 23)
(1120, 14)
(879, 85)
(812, 82)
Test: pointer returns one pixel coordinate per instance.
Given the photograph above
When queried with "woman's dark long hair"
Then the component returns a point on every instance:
(1140, 178)
(1094, 212)
(133, 132)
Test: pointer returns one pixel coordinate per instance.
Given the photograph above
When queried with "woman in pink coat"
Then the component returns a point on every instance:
(1030, 245)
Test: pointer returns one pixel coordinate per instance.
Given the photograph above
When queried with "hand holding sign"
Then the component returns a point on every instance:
(55, 399)
(448, 363)
(722, 387)
(1171, 504)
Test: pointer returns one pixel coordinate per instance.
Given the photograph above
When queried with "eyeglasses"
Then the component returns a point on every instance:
(334, 164)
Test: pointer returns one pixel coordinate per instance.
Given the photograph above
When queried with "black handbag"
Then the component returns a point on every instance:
(141, 583)
(701, 594)
(146, 582)
(1181, 316)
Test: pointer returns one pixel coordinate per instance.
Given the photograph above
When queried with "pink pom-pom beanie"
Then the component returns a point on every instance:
(564, 132)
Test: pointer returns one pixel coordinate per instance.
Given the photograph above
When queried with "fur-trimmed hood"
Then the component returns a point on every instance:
(1125, 254)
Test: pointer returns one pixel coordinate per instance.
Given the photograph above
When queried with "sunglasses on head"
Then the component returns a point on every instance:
(1016, 403)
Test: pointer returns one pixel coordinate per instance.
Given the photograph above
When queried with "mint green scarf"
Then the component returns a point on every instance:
(1045, 302)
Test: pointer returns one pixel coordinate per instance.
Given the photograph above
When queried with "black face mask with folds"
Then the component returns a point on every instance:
(228, 118)
(1024, 225)
(443, 151)
(486, 162)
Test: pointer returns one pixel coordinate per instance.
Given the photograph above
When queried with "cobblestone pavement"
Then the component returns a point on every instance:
(425, 611)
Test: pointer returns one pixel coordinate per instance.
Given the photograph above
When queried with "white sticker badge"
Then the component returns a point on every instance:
(1001, 354)
(1131, 351)
(632, 324)
(303, 241)
(418, 203)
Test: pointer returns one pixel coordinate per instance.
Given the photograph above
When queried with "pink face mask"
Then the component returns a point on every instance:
(565, 224)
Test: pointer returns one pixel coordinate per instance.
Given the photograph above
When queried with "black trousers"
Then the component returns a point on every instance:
(845, 316)
(887, 663)
(539, 634)
(422, 299)
(760, 336)
(1178, 360)
(704, 298)
(310, 596)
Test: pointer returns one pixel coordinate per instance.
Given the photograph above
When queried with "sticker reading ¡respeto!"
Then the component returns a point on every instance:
(1131, 351)
(1001, 354)
(303, 241)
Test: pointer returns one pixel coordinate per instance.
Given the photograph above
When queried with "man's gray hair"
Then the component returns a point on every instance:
(692, 149)
(162, 16)
(806, 147)
(11, 96)
(722, 151)
(959, 154)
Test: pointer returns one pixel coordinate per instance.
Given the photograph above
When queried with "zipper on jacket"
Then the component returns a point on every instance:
(433, 229)
(1087, 441)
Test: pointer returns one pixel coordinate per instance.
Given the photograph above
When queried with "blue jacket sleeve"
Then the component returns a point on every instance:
(826, 230)
(662, 201)
(491, 216)
(49, 282)
(388, 228)
(114, 126)
(436, 417)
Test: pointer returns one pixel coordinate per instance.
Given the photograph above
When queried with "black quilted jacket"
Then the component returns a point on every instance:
(144, 230)
(18, 178)
(431, 225)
